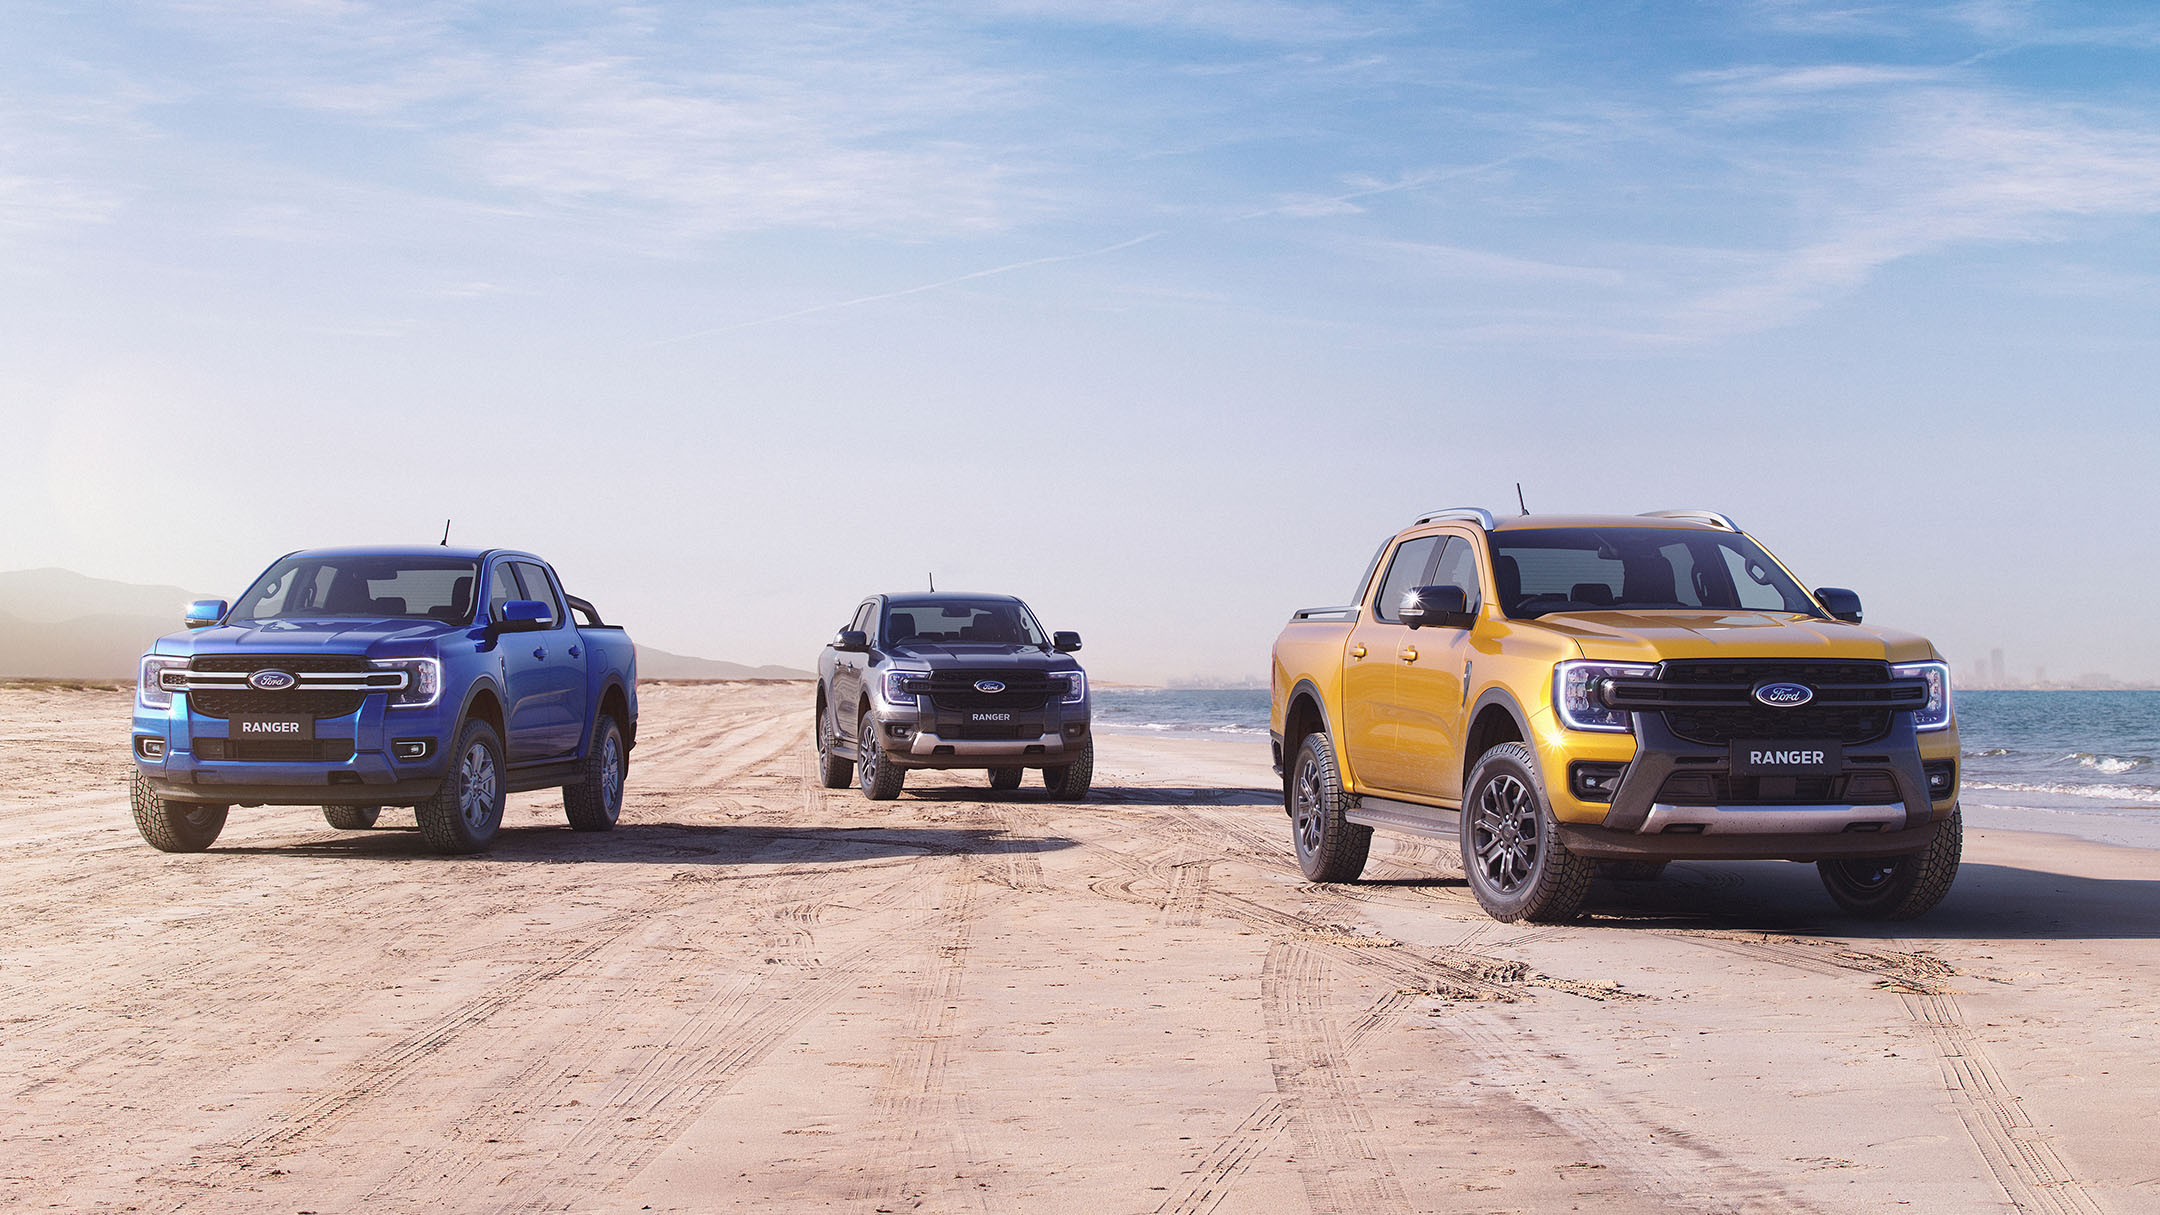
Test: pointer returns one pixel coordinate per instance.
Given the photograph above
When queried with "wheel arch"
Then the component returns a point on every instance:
(1305, 715)
(483, 701)
(1496, 718)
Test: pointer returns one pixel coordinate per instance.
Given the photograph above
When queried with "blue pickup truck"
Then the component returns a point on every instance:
(358, 678)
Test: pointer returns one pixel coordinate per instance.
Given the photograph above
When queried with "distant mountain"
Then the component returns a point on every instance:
(59, 624)
(659, 664)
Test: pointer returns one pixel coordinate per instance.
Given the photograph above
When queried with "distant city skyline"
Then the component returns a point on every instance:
(1160, 316)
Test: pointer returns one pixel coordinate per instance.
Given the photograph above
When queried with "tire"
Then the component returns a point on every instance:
(1630, 871)
(880, 780)
(595, 803)
(467, 809)
(1897, 887)
(1072, 781)
(1330, 848)
(1007, 779)
(1511, 849)
(351, 818)
(833, 772)
(170, 826)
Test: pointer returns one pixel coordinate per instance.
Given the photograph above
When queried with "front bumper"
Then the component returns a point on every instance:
(925, 736)
(1677, 799)
(374, 774)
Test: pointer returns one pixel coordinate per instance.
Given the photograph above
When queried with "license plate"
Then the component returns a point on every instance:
(258, 729)
(1787, 757)
(989, 717)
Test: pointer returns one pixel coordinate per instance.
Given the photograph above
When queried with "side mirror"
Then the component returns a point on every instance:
(203, 613)
(1839, 602)
(852, 641)
(524, 616)
(1065, 642)
(1446, 607)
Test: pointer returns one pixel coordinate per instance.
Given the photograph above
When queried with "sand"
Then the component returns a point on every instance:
(757, 994)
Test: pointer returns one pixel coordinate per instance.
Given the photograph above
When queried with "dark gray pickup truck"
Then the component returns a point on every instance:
(951, 681)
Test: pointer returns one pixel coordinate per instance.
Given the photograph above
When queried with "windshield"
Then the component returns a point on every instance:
(960, 621)
(1585, 569)
(369, 587)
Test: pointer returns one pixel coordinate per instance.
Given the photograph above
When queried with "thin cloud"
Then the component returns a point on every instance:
(940, 285)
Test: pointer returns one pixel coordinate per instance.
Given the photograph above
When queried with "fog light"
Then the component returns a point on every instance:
(1595, 782)
(899, 730)
(1941, 779)
(412, 748)
(150, 748)
(1078, 728)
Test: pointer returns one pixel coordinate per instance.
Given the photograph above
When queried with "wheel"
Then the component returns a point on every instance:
(833, 772)
(594, 803)
(1006, 778)
(1518, 868)
(1630, 871)
(879, 778)
(170, 826)
(351, 818)
(1071, 782)
(1330, 848)
(1897, 887)
(467, 808)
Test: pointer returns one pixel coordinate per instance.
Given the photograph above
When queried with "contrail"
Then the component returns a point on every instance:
(893, 295)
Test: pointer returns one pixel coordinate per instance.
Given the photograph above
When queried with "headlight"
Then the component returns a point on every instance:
(151, 684)
(1078, 690)
(902, 687)
(423, 681)
(1574, 695)
(1935, 714)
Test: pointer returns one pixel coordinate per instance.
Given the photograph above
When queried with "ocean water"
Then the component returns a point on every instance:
(2082, 763)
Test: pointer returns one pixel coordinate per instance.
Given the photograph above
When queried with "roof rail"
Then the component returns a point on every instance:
(1474, 514)
(1698, 516)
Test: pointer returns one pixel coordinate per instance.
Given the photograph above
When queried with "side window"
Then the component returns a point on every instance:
(863, 622)
(502, 588)
(1457, 567)
(1405, 571)
(539, 586)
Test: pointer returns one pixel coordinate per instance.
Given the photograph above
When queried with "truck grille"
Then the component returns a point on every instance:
(1865, 788)
(216, 684)
(1025, 691)
(276, 750)
(1714, 703)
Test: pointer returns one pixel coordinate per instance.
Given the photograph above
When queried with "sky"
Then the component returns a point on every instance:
(1159, 315)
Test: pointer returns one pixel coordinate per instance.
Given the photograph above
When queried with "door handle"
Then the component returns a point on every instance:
(1408, 654)
(573, 651)
(539, 651)
(1358, 650)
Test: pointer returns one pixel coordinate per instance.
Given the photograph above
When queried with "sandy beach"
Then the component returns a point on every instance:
(760, 994)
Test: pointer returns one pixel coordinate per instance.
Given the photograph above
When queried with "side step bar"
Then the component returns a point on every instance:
(1433, 822)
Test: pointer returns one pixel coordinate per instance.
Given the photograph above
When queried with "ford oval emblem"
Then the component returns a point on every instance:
(1784, 695)
(271, 681)
(989, 687)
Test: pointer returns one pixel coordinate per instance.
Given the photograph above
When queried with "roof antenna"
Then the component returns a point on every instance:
(933, 582)
(1518, 501)
(446, 533)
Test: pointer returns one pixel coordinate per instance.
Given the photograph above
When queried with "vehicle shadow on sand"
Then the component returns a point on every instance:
(1107, 795)
(658, 843)
(1988, 902)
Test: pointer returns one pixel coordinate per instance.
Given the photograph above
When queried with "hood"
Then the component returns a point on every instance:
(308, 637)
(985, 657)
(1652, 636)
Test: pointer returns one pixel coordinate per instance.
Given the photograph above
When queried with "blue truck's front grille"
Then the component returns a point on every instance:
(232, 698)
(237, 703)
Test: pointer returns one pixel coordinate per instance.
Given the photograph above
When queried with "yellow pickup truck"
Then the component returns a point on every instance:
(1577, 696)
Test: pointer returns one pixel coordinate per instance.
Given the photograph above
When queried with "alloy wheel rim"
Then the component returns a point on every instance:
(611, 781)
(476, 785)
(868, 746)
(1305, 806)
(1505, 834)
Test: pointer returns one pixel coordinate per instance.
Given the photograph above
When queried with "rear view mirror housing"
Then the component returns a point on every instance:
(851, 641)
(203, 613)
(1065, 641)
(1446, 607)
(524, 616)
(1839, 602)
